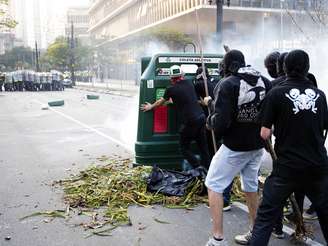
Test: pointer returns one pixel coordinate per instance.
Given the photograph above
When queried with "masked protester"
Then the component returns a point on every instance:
(299, 196)
(201, 94)
(183, 95)
(270, 64)
(200, 90)
(280, 78)
(310, 213)
(298, 112)
(281, 75)
(234, 119)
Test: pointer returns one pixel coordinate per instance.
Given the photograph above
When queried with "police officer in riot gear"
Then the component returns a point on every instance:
(9, 82)
(2, 80)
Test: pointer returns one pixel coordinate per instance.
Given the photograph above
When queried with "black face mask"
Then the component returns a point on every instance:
(280, 64)
(272, 72)
(270, 62)
(199, 73)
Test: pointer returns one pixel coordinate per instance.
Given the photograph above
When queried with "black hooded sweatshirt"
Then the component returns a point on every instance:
(236, 108)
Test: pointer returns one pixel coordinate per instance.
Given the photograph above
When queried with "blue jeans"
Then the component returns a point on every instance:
(227, 194)
(277, 189)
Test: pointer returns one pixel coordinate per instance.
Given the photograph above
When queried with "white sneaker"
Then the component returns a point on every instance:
(213, 242)
(244, 239)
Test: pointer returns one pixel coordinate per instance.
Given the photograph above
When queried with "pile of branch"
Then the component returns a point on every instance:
(115, 186)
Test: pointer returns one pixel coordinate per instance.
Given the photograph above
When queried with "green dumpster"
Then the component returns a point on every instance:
(92, 97)
(157, 137)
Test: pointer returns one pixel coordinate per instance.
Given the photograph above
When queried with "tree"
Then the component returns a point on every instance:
(175, 40)
(16, 58)
(320, 15)
(58, 54)
(310, 19)
(83, 56)
(6, 21)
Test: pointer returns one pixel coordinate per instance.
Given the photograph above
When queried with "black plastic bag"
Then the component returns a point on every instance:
(173, 183)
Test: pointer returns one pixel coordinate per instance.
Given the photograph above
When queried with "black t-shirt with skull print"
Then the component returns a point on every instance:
(298, 113)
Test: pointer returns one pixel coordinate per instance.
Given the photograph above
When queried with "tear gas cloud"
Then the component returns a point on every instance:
(261, 41)
(255, 45)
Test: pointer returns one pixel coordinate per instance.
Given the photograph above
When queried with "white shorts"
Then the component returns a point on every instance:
(227, 164)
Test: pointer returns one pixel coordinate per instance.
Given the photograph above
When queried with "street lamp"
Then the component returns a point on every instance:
(281, 24)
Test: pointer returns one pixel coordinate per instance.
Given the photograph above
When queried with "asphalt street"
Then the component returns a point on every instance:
(39, 146)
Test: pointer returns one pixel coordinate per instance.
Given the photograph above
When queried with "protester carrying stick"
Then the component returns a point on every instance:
(235, 118)
(199, 83)
(298, 112)
(274, 65)
(200, 43)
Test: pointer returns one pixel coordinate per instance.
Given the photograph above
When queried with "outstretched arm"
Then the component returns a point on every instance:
(148, 106)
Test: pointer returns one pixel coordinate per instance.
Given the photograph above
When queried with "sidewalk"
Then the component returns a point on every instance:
(115, 87)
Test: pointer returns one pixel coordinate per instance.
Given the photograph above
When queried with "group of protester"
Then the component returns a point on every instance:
(245, 110)
(28, 80)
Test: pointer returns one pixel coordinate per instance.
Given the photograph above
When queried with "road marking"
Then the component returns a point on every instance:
(89, 127)
(286, 229)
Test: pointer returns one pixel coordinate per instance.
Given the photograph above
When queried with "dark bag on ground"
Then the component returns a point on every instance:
(173, 183)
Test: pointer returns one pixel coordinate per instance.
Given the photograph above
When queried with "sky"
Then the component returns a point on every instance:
(56, 15)
(68, 3)
(53, 18)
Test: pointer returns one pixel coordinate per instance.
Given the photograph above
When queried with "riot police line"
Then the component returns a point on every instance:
(29, 80)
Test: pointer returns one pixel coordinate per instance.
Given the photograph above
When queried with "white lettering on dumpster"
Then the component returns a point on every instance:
(150, 84)
(211, 60)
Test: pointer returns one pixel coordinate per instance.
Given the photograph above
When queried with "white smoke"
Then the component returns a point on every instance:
(260, 41)
(153, 48)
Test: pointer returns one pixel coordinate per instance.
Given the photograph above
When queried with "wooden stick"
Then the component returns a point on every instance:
(204, 75)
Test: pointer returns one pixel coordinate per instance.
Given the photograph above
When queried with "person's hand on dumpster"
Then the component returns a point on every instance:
(207, 100)
(146, 107)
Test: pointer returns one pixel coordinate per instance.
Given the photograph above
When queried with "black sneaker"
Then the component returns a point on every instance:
(226, 207)
(291, 218)
(310, 214)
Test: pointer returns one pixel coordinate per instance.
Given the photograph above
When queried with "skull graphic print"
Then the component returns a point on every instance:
(303, 101)
(249, 99)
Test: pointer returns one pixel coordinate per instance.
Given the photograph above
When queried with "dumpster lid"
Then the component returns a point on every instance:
(160, 63)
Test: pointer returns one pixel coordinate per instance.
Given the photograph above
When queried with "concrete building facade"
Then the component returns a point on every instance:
(257, 24)
(17, 10)
(80, 19)
(115, 19)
